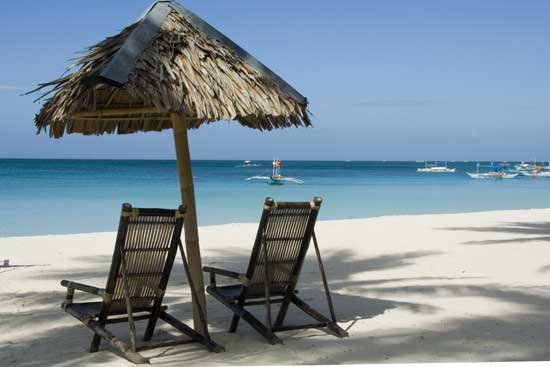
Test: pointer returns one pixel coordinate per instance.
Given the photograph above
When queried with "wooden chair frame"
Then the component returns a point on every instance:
(237, 304)
(97, 321)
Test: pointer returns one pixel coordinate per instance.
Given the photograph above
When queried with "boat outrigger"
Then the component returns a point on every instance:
(276, 178)
(496, 171)
(434, 168)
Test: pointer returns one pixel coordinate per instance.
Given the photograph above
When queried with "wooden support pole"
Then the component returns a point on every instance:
(179, 125)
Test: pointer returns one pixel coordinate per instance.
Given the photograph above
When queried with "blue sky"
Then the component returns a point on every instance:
(386, 79)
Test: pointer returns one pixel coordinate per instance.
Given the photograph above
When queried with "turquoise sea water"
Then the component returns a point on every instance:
(73, 196)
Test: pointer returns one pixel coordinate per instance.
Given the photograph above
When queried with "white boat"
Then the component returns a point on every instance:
(247, 164)
(524, 166)
(492, 175)
(276, 178)
(536, 174)
(538, 171)
(434, 168)
(497, 172)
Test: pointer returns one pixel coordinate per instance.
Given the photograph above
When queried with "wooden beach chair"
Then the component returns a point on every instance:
(145, 250)
(278, 254)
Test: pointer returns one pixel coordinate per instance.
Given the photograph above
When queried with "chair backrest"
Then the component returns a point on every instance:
(283, 236)
(149, 240)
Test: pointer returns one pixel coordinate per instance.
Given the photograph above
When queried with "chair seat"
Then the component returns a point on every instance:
(90, 310)
(85, 310)
(232, 292)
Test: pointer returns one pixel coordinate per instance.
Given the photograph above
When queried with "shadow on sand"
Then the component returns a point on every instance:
(44, 335)
(524, 232)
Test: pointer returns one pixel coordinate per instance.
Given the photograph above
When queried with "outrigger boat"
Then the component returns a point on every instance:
(525, 166)
(538, 171)
(497, 171)
(434, 168)
(276, 178)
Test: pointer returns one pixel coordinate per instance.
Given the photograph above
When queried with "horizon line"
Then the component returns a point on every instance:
(284, 160)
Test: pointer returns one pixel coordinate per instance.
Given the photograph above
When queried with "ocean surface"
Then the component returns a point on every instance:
(72, 196)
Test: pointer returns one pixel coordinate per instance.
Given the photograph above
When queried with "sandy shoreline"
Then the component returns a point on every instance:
(421, 288)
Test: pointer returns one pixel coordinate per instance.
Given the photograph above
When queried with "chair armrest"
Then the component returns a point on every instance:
(72, 286)
(83, 287)
(227, 273)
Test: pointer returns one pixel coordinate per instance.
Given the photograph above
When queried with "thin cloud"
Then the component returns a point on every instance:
(10, 87)
(395, 103)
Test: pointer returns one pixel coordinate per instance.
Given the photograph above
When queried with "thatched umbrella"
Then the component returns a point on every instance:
(169, 69)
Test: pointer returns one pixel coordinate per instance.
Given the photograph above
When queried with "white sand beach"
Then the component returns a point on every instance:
(424, 288)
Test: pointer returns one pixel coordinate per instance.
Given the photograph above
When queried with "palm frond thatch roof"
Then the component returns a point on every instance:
(168, 61)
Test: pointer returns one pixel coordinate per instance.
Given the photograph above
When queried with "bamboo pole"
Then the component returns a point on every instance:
(115, 112)
(121, 118)
(192, 248)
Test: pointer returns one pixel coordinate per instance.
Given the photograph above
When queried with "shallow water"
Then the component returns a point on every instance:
(73, 196)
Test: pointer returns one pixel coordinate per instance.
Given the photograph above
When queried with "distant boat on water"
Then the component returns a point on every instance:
(495, 171)
(276, 178)
(538, 171)
(247, 164)
(525, 166)
(434, 168)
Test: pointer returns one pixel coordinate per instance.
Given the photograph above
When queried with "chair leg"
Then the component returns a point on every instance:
(259, 327)
(150, 328)
(152, 323)
(126, 287)
(324, 278)
(118, 344)
(240, 312)
(319, 317)
(236, 318)
(204, 338)
(96, 341)
(282, 312)
(234, 323)
(190, 332)
(267, 285)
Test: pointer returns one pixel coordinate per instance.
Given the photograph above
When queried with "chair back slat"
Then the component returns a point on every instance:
(285, 231)
(148, 239)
